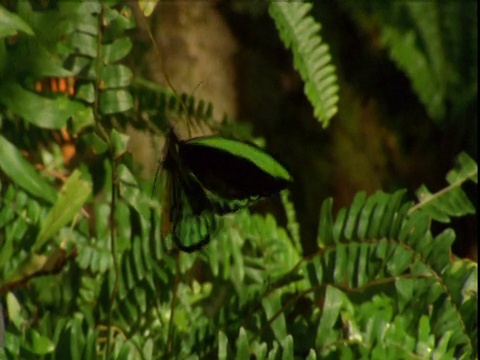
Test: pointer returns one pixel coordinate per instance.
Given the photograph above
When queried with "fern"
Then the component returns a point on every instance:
(311, 57)
(376, 246)
(429, 51)
(378, 268)
(404, 51)
(163, 108)
(451, 201)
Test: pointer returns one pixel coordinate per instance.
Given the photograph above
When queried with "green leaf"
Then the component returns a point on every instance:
(147, 350)
(11, 23)
(14, 310)
(117, 50)
(334, 299)
(325, 232)
(77, 337)
(37, 344)
(272, 305)
(86, 92)
(243, 349)
(119, 142)
(72, 196)
(22, 173)
(33, 265)
(116, 76)
(115, 101)
(222, 346)
(147, 6)
(83, 43)
(97, 144)
(39, 110)
(312, 355)
(425, 340)
(287, 345)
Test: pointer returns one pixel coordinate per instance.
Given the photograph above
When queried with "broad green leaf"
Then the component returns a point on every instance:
(97, 144)
(73, 195)
(116, 76)
(115, 101)
(11, 23)
(119, 142)
(21, 172)
(39, 110)
(148, 348)
(85, 44)
(37, 60)
(82, 119)
(14, 310)
(117, 50)
(85, 92)
(36, 343)
(12, 343)
(249, 152)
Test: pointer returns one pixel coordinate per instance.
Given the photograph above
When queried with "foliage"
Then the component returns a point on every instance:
(299, 32)
(84, 272)
(434, 44)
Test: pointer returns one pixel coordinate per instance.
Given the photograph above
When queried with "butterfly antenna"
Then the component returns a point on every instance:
(164, 71)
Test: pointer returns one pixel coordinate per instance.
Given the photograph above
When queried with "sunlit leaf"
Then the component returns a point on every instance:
(22, 173)
(70, 200)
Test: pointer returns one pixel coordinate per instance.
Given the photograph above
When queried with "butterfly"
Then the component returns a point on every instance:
(210, 176)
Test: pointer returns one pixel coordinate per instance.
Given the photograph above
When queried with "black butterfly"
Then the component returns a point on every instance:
(211, 176)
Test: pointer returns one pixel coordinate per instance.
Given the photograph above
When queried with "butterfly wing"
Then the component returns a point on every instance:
(191, 215)
(232, 170)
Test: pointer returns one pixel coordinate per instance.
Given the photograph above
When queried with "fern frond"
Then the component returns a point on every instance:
(436, 52)
(404, 51)
(452, 200)
(162, 107)
(428, 22)
(292, 224)
(377, 246)
(300, 33)
(283, 348)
